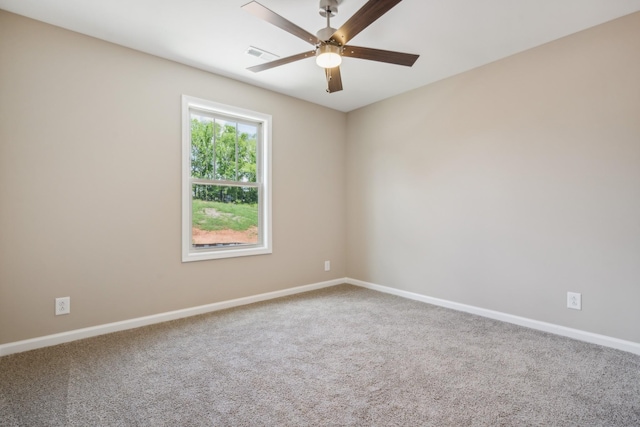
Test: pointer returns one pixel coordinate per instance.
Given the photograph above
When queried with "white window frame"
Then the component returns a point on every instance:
(263, 181)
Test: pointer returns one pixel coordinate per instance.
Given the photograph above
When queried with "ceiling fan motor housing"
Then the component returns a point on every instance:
(330, 6)
(325, 33)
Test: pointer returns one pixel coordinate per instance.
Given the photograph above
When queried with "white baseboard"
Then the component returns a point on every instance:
(631, 347)
(49, 340)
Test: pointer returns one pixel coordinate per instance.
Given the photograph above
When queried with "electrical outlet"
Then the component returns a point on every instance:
(327, 265)
(63, 305)
(574, 300)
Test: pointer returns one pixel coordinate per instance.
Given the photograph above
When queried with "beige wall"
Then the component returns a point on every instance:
(509, 185)
(90, 185)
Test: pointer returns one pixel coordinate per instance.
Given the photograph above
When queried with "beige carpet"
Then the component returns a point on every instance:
(334, 357)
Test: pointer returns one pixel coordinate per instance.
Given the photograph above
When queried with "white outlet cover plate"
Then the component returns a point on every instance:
(574, 300)
(63, 305)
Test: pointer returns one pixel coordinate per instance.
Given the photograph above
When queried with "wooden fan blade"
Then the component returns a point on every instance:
(281, 61)
(334, 80)
(364, 17)
(271, 17)
(399, 58)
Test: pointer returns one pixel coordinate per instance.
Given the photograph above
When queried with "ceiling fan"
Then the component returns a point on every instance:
(330, 45)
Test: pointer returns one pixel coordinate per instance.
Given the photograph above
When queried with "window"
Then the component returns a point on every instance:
(226, 181)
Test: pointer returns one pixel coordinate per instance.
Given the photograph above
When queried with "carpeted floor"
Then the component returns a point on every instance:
(339, 356)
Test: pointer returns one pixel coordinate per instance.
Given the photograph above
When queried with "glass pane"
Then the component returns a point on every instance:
(224, 216)
(225, 148)
(247, 149)
(201, 146)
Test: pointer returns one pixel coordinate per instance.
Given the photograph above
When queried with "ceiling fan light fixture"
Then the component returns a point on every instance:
(328, 56)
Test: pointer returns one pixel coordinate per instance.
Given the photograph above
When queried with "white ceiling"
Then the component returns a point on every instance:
(451, 36)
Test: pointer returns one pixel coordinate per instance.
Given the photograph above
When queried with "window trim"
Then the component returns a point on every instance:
(263, 179)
